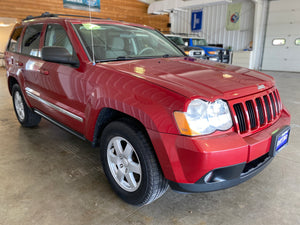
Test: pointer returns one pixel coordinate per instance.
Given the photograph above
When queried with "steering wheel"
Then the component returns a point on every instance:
(149, 49)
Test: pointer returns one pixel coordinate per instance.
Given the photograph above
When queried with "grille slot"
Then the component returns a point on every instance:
(268, 108)
(251, 113)
(260, 111)
(241, 117)
(256, 111)
(273, 105)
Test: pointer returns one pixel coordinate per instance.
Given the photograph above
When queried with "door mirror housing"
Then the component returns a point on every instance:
(58, 54)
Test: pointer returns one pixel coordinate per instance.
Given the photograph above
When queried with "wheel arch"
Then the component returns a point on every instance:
(108, 115)
(11, 82)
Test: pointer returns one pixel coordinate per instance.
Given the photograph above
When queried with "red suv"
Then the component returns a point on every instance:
(158, 117)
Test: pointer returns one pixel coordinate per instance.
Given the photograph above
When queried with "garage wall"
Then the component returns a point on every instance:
(4, 36)
(283, 23)
(126, 10)
(214, 25)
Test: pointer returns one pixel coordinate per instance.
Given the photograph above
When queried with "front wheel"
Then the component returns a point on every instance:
(130, 164)
(25, 115)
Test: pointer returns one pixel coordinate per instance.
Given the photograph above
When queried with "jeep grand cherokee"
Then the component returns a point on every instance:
(158, 117)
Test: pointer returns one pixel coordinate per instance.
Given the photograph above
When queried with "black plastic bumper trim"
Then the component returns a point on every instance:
(201, 186)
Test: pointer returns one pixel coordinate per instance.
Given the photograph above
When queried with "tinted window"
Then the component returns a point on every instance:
(14, 40)
(199, 42)
(31, 40)
(278, 41)
(57, 36)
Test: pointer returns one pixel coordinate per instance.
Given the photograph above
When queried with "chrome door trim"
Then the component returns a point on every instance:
(35, 95)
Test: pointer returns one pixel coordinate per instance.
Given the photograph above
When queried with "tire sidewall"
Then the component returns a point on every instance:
(16, 89)
(138, 196)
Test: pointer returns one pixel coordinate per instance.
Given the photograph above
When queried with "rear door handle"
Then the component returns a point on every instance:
(44, 72)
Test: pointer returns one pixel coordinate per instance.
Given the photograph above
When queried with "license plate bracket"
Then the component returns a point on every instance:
(279, 140)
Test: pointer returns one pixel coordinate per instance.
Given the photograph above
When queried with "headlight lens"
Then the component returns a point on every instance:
(213, 52)
(204, 117)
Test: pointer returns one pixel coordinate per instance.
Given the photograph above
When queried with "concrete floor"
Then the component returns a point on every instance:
(48, 176)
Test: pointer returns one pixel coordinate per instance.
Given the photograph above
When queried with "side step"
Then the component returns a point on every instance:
(60, 125)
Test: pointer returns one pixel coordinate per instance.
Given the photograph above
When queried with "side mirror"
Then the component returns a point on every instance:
(58, 55)
(186, 43)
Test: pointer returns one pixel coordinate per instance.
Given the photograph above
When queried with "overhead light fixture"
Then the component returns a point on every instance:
(5, 25)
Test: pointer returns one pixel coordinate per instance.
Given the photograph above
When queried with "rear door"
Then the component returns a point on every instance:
(12, 52)
(30, 60)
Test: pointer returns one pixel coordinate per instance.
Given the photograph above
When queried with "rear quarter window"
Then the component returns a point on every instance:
(14, 39)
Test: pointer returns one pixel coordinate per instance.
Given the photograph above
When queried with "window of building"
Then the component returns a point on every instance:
(279, 41)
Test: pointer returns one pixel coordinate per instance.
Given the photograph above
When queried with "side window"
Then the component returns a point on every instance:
(31, 40)
(57, 36)
(14, 40)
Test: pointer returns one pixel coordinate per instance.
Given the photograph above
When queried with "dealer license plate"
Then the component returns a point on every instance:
(280, 140)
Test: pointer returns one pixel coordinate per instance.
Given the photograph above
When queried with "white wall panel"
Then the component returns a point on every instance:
(214, 25)
(283, 22)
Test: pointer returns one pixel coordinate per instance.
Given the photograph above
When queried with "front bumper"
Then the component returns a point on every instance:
(222, 178)
(214, 162)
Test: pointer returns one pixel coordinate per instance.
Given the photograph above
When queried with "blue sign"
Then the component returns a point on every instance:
(196, 22)
(88, 5)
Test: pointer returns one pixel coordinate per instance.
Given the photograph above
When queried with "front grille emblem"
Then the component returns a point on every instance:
(259, 87)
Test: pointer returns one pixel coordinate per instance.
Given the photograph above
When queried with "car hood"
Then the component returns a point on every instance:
(211, 48)
(194, 78)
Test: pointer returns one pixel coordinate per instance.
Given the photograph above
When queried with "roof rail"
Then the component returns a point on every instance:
(81, 16)
(47, 14)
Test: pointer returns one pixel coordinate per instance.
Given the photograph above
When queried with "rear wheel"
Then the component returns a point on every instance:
(25, 115)
(130, 164)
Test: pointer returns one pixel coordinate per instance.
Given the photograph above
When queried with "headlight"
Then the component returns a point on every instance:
(189, 53)
(204, 117)
(212, 52)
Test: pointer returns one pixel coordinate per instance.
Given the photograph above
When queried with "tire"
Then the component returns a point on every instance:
(25, 115)
(130, 165)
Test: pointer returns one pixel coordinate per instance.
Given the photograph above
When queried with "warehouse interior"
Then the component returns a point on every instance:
(49, 176)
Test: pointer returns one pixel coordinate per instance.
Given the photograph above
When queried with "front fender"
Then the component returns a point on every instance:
(151, 105)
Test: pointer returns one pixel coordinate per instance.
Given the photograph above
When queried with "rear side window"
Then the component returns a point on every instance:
(57, 36)
(14, 40)
(31, 40)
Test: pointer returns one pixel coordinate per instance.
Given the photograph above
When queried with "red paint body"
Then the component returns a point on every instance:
(166, 85)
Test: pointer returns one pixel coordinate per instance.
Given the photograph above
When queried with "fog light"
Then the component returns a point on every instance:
(208, 177)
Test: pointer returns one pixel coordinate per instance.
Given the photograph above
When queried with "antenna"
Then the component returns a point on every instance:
(92, 38)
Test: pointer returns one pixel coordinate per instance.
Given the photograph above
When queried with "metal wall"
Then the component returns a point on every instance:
(214, 25)
(283, 23)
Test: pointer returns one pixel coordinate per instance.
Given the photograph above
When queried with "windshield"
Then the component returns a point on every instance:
(121, 42)
(176, 40)
(201, 42)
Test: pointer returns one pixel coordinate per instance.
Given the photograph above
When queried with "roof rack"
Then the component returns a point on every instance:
(47, 14)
